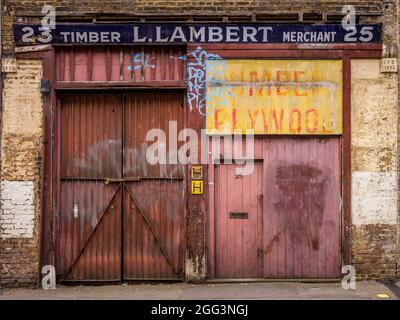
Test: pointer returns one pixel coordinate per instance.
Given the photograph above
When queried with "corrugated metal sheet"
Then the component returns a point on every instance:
(154, 206)
(139, 63)
(144, 112)
(90, 244)
(91, 136)
(116, 210)
(89, 223)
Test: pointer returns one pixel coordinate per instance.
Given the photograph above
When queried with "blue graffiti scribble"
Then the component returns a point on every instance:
(183, 58)
(197, 79)
(196, 94)
(217, 95)
(141, 61)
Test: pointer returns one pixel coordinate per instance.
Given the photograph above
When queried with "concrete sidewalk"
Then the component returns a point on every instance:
(260, 290)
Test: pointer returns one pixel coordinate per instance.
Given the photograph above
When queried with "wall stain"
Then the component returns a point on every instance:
(299, 202)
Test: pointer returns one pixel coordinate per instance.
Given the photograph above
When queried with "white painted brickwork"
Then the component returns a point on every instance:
(374, 144)
(17, 209)
(374, 198)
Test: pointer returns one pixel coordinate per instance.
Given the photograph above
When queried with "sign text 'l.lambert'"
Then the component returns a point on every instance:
(196, 33)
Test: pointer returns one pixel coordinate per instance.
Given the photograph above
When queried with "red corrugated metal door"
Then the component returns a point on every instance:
(153, 194)
(89, 222)
(119, 216)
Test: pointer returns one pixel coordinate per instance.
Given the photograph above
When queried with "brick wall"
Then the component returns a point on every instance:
(374, 251)
(397, 23)
(374, 166)
(20, 175)
(222, 6)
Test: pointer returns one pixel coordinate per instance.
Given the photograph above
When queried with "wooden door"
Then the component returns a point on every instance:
(296, 235)
(302, 208)
(238, 223)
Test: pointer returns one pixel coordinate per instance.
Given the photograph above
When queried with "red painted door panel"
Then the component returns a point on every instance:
(297, 232)
(238, 240)
(302, 208)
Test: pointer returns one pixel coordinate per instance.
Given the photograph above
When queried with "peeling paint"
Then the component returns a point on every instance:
(374, 198)
(17, 209)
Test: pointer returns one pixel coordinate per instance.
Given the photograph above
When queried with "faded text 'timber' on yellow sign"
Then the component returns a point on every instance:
(274, 96)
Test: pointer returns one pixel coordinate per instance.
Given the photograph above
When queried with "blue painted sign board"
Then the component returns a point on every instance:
(28, 34)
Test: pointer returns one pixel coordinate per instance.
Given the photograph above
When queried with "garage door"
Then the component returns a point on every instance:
(119, 217)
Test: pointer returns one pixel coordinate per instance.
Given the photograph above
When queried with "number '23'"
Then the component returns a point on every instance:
(48, 23)
(45, 36)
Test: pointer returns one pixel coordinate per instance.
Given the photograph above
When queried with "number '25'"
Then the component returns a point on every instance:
(366, 34)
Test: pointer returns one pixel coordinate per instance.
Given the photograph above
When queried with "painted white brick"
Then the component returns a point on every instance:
(17, 209)
(374, 198)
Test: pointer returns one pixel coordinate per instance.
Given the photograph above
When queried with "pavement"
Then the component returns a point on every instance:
(365, 290)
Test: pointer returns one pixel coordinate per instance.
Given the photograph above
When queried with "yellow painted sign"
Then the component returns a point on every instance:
(197, 172)
(274, 96)
(197, 187)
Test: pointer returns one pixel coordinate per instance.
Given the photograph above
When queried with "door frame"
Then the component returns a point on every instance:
(258, 158)
(123, 93)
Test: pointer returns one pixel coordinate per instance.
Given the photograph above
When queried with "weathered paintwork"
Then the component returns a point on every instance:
(153, 217)
(139, 33)
(115, 64)
(274, 96)
(293, 203)
(238, 240)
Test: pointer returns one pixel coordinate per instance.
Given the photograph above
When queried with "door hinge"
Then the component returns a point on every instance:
(45, 87)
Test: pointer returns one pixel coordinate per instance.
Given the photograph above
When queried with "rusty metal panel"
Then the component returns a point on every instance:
(89, 229)
(238, 241)
(116, 210)
(91, 136)
(143, 112)
(89, 222)
(112, 64)
(154, 205)
(302, 208)
(274, 96)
